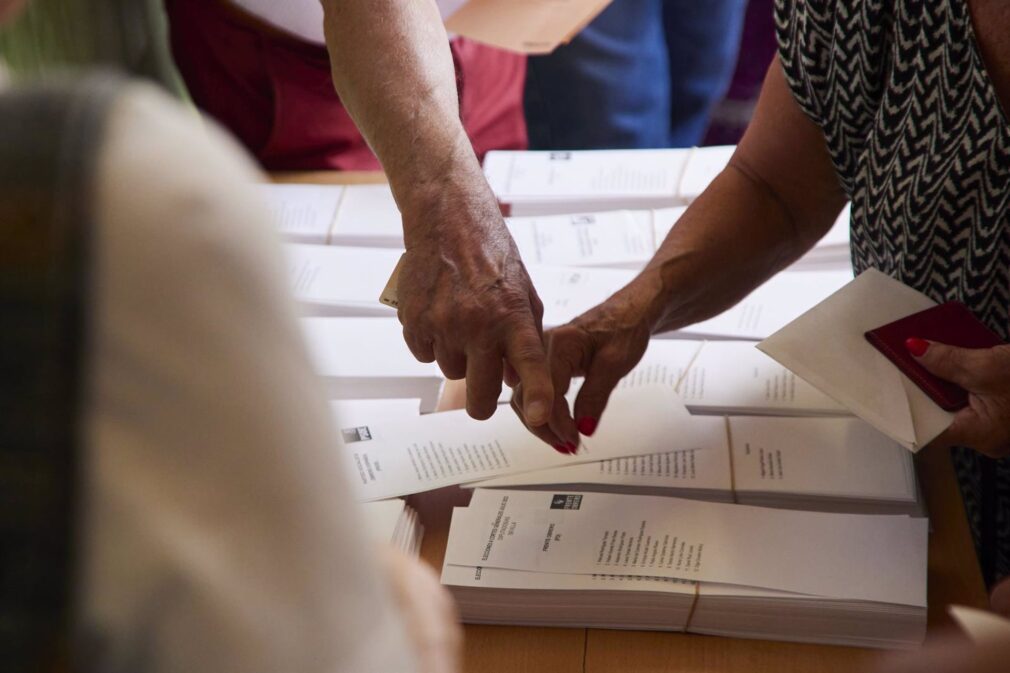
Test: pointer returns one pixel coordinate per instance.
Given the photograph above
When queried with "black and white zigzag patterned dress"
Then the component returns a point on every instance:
(922, 148)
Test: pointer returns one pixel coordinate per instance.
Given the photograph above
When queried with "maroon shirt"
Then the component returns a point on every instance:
(275, 92)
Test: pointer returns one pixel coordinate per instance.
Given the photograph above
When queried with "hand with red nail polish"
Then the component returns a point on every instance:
(984, 425)
(602, 345)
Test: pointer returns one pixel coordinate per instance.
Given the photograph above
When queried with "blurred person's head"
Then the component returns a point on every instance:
(9, 9)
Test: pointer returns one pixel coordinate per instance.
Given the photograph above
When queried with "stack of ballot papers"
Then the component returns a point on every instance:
(397, 456)
(545, 183)
(816, 464)
(366, 358)
(770, 307)
(395, 523)
(338, 281)
(347, 282)
(351, 215)
(827, 347)
(639, 562)
(729, 378)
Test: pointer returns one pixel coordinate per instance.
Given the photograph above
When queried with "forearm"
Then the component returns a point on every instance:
(778, 196)
(394, 72)
(733, 238)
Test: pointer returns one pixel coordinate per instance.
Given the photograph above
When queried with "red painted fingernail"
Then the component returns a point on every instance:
(572, 448)
(561, 448)
(916, 346)
(587, 425)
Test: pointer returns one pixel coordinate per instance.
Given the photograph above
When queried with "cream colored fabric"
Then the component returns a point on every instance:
(304, 18)
(218, 533)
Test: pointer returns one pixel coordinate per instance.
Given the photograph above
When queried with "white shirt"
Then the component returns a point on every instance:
(218, 534)
(304, 18)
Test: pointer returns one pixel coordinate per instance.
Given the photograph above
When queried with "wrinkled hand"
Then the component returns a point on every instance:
(602, 345)
(428, 612)
(984, 425)
(467, 302)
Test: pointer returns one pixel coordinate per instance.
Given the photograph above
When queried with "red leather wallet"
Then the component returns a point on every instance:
(951, 323)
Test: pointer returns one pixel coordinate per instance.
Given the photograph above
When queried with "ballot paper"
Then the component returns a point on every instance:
(495, 596)
(338, 281)
(703, 165)
(608, 239)
(981, 626)
(524, 26)
(769, 308)
(729, 377)
(815, 464)
(839, 556)
(368, 217)
(550, 183)
(826, 346)
(366, 358)
(403, 456)
(364, 411)
(567, 292)
(395, 523)
(303, 213)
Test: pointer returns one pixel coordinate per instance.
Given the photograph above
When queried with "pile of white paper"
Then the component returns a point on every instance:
(543, 183)
(546, 183)
(816, 464)
(620, 561)
(395, 523)
(366, 358)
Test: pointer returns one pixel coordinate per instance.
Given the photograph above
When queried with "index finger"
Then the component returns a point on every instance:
(524, 351)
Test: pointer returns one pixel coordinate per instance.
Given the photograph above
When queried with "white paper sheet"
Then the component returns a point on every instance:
(303, 213)
(734, 377)
(366, 358)
(608, 239)
(443, 449)
(368, 216)
(568, 292)
(635, 178)
(770, 307)
(843, 556)
(337, 281)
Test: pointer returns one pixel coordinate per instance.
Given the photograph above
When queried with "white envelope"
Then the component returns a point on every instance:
(826, 347)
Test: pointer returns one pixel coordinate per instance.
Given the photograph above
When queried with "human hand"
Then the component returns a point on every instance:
(984, 425)
(428, 612)
(467, 302)
(603, 345)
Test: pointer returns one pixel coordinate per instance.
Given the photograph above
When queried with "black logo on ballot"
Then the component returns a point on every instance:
(566, 501)
(358, 434)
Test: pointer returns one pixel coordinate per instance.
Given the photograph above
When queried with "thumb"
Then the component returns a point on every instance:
(950, 363)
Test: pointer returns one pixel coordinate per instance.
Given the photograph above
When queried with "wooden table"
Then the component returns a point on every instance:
(954, 577)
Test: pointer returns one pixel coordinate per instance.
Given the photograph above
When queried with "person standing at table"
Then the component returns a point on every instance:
(644, 73)
(171, 498)
(899, 107)
(466, 300)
